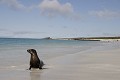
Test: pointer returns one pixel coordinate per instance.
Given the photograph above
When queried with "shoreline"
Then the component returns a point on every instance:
(78, 38)
(99, 64)
(91, 38)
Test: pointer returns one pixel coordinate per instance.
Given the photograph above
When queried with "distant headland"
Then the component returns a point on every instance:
(78, 38)
(89, 38)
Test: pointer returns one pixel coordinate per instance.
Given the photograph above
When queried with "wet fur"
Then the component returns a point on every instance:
(35, 62)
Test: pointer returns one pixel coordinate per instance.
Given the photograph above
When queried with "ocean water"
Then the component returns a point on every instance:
(13, 51)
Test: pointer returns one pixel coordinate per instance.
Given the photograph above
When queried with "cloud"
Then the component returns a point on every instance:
(26, 32)
(49, 8)
(111, 34)
(5, 33)
(14, 4)
(20, 34)
(105, 14)
(53, 8)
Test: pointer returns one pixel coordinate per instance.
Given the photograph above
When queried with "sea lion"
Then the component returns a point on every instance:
(35, 62)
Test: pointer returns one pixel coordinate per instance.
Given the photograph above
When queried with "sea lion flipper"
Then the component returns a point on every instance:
(40, 67)
(41, 64)
(30, 68)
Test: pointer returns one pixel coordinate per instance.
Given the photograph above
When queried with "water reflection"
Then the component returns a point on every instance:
(35, 74)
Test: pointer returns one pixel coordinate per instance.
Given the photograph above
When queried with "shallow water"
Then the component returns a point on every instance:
(65, 60)
(13, 50)
(15, 59)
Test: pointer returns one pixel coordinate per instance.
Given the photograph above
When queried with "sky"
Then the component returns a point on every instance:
(59, 18)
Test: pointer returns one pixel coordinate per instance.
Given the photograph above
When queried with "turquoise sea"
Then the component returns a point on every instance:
(13, 52)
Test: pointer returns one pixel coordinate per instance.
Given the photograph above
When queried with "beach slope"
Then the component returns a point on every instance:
(99, 64)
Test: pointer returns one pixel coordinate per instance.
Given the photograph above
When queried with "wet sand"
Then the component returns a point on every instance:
(96, 64)
(99, 64)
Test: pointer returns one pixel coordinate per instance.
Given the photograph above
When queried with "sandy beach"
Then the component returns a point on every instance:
(100, 63)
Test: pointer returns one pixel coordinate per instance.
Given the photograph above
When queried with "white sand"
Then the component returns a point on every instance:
(89, 65)
(97, 64)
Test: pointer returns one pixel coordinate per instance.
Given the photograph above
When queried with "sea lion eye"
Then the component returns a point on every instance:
(34, 51)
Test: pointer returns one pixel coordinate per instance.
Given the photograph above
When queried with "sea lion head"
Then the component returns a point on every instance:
(32, 51)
